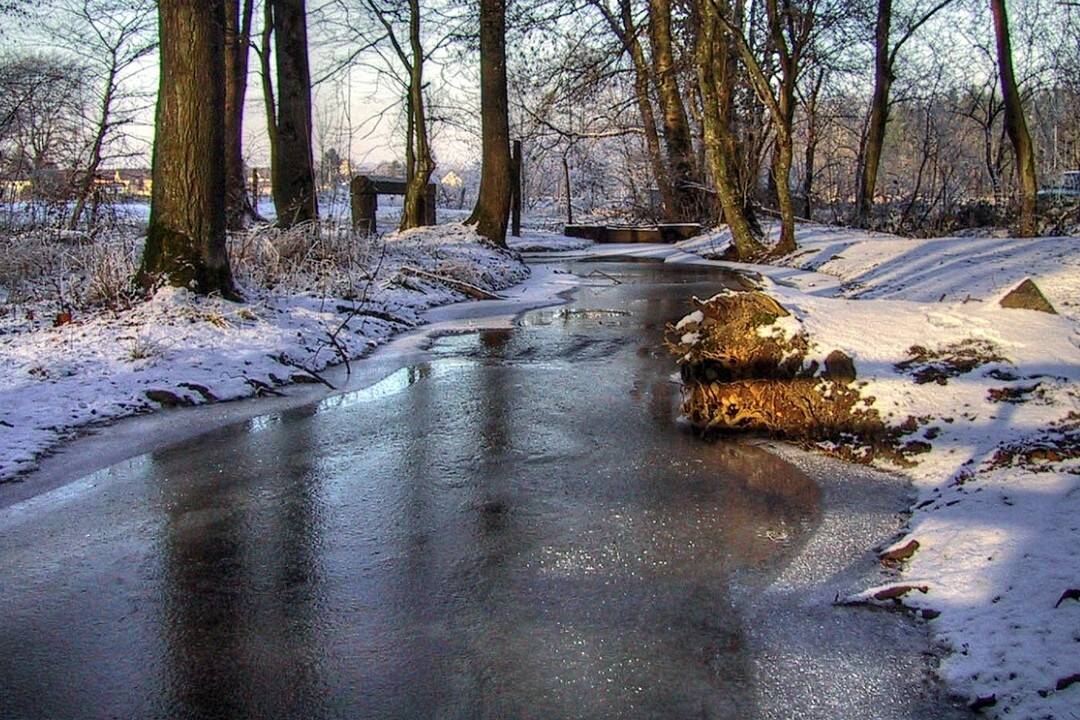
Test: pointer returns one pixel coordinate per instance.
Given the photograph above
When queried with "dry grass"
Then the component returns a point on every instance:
(62, 271)
(325, 258)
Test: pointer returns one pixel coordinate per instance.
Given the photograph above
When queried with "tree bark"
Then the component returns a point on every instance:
(421, 164)
(879, 117)
(810, 153)
(492, 209)
(185, 240)
(781, 103)
(269, 103)
(713, 54)
(293, 176)
(1016, 124)
(238, 208)
(566, 186)
(680, 147)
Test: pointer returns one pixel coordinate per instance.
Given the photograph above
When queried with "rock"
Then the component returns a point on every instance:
(168, 399)
(839, 366)
(981, 703)
(1070, 594)
(1027, 296)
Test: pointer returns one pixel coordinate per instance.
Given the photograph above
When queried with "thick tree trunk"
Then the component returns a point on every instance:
(492, 209)
(879, 118)
(680, 147)
(185, 240)
(712, 58)
(293, 176)
(238, 209)
(1016, 124)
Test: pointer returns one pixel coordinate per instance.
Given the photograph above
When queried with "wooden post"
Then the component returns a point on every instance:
(429, 204)
(515, 190)
(364, 203)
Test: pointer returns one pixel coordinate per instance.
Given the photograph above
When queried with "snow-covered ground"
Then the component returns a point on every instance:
(997, 520)
(59, 374)
(998, 514)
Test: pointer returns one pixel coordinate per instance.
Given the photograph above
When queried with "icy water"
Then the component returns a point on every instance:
(518, 528)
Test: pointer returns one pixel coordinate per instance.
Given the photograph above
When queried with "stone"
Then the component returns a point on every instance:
(1027, 296)
(839, 366)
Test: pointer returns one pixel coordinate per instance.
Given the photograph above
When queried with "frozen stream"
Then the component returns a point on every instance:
(516, 527)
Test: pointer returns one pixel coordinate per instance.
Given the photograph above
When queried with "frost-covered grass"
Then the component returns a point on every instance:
(72, 355)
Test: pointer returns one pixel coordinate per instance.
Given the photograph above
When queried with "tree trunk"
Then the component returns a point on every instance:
(420, 164)
(809, 157)
(238, 208)
(879, 118)
(492, 209)
(185, 240)
(566, 186)
(1015, 124)
(782, 173)
(269, 103)
(293, 175)
(713, 54)
(628, 34)
(94, 162)
(680, 147)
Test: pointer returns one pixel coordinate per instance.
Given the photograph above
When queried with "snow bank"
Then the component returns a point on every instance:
(994, 394)
(180, 348)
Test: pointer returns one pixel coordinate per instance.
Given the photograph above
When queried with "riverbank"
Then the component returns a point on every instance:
(543, 454)
(64, 372)
(993, 396)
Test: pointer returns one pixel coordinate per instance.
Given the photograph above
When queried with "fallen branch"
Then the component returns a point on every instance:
(285, 360)
(377, 314)
(477, 293)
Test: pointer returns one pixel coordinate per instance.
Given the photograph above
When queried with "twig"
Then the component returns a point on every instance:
(285, 360)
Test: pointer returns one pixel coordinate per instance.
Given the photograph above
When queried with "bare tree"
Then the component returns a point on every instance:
(292, 166)
(683, 174)
(716, 58)
(885, 54)
(1016, 123)
(111, 38)
(185, 241)
(238, 207)
(492, 209)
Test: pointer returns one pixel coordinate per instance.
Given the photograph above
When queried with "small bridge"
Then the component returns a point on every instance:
(364, 192)
(667, 233)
